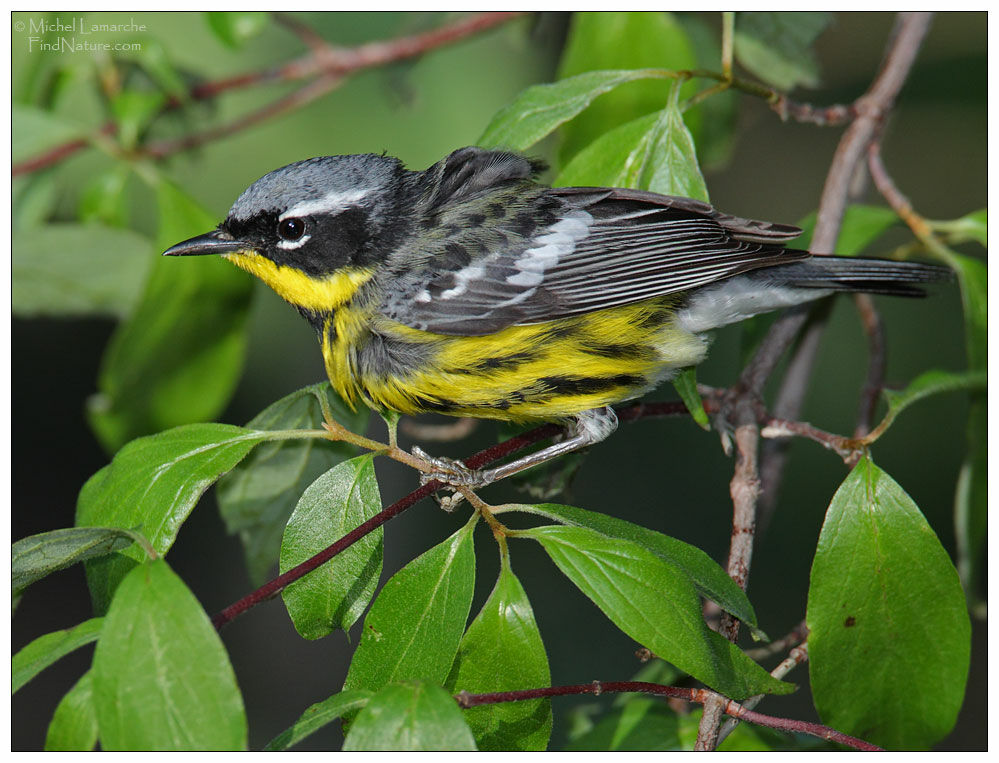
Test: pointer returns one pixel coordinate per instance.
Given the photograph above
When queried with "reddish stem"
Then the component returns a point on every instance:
(699, 696)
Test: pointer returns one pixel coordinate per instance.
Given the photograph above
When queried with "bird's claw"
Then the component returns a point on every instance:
(453, 474)
(449, 471)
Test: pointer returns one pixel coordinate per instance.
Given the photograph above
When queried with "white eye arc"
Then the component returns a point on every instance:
(286, 244)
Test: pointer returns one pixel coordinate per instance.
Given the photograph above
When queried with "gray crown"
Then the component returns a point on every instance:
(312, 180)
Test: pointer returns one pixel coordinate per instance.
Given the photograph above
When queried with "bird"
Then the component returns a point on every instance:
(473, 289)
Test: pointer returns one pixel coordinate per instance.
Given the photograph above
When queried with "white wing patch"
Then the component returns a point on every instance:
(461, 278)
(559, 241)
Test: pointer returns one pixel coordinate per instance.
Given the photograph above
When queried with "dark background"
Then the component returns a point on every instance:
(935, 148)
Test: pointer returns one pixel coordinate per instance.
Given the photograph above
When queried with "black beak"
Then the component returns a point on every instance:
(214, 242)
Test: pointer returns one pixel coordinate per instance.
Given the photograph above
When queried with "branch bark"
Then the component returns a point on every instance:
(872, 109)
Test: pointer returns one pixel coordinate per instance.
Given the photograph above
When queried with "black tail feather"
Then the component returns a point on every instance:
(856, 274)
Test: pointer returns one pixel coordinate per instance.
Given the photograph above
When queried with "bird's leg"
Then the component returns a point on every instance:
(588, 428)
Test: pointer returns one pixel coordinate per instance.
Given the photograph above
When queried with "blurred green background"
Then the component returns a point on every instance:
(420, 110)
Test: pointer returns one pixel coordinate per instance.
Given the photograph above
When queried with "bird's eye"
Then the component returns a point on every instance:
(291, 229)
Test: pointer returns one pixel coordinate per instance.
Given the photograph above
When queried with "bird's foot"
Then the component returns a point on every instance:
(450, 471)
(454, 474)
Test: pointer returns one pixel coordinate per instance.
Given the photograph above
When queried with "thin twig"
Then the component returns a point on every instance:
(312, 40)
(476, 461)
(744, 489)
(798, 634)
(797, 656)
(846, 448)
(314, 90)
(699, 696)
(871, 109)
(321, 62)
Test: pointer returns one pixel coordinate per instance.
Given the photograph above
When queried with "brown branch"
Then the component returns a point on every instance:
(315, 89)
(846, 448)
(898, 201)
(744, 489)
(823, 116)
(699, 696)
(872, 108)
(322, 62)
(309, 37)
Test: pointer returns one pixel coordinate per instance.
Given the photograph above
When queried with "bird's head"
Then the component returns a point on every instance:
(313, 230)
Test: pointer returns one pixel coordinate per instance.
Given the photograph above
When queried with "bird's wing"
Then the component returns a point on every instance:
(600, 248)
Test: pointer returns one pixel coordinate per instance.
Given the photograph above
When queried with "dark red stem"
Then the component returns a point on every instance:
(464, 699)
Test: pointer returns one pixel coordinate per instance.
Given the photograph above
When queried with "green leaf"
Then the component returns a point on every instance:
(654, 152)
(412, 716)
(68, 270)
(73, 727)
(622, 41)
(133, 110)
(502, 651)
(104, 200)
(337, 593)
(862, 225)
(150, 54)
(37, 556)
(710, 580)
(632, 721)
(927, 384)
(50, 648)
(886, 618)
(685, 383)
(615, 159)
(33, 199)
(178, 357)
(161, 677)
(415, 625)
(34, 131)
(971, 502)
(154, 483)
(317, 716)
(971, 523)
(974, 226)
(257, 497)
(540, 109)
(235, 28)
(777, 46)
(655, 604)
(670, 167)
(643, 724)
(972, 276)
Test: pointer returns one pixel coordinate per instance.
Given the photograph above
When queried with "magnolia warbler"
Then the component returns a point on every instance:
(471, 289)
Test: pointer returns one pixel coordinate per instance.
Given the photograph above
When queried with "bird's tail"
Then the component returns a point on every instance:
(858, 274)
(780, 286)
